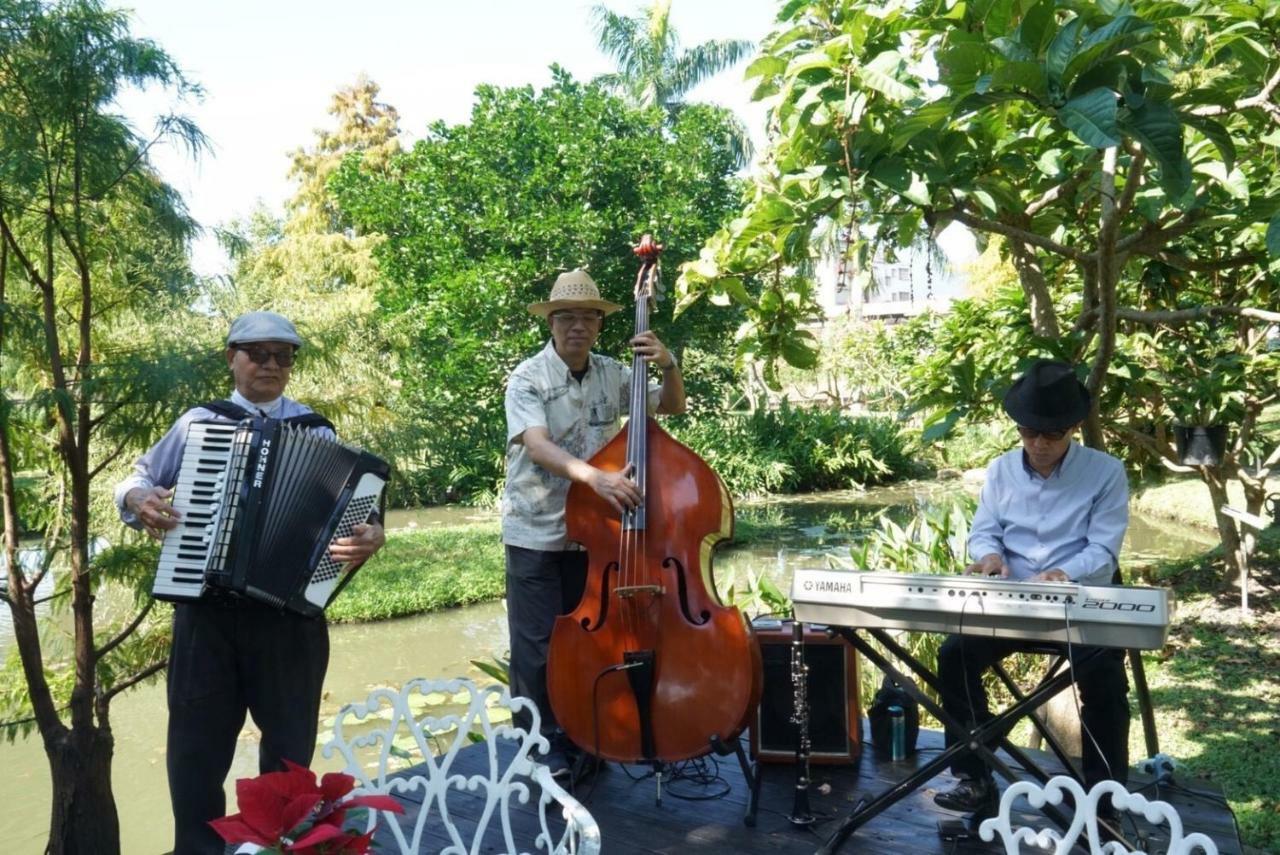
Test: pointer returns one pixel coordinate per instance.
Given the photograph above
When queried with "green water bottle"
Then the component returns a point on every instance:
(898, 731)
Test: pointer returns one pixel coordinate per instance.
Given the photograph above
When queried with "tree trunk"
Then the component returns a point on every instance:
(1227, 531)
(1039, 301)
(84, 815)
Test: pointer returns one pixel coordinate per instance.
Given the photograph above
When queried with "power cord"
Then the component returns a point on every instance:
(1084, 728)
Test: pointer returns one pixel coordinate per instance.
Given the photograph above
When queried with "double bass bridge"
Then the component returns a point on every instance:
(633, 590)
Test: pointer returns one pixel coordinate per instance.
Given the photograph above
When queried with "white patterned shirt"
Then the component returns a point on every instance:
(581, 417)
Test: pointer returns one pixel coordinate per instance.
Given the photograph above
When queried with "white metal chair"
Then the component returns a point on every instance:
(1084, 825)
(400, 737)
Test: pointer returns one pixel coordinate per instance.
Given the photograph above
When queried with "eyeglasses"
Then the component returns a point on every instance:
(1051, 435)
(572, 318)
(262, 355)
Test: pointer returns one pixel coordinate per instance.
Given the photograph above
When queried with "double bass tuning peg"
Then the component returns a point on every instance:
(648, 249)
(648, 282)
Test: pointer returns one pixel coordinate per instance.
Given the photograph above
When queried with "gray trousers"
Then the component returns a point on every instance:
(540, 587)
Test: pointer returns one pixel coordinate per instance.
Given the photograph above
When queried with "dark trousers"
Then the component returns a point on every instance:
(1103, 691)
(540, 587)
(226, 660)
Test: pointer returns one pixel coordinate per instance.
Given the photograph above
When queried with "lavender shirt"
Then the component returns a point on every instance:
(1073, 521)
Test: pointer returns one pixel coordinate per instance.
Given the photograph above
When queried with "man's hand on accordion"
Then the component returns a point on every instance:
(153, 509)
(365, 540)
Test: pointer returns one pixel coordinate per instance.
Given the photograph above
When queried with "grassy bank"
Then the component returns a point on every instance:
(423, 570)
(1216, 688)
(1185, 501)
(427, 569)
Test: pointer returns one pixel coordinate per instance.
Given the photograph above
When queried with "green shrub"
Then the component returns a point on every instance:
(796, 450)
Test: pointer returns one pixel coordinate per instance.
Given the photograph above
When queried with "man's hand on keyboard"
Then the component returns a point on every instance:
(153, 509)
(988, 565)
(1054, 575)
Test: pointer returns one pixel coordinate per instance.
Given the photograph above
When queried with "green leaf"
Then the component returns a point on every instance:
(1216, 134)
(879, 75)
(892, 172)
(1036, 26)
(960, 65)
(924, 118)
(938, 429)
(1062, 48)
(1050, 162)
(808, 62)
(799, 351)
(1158, 130)
(765, 66)
(918, 192)
(986, 200)
(1092, 118)
(765, 219)
(1107, 41)
(1273, 237)
(1024, 76)
(1233, 181)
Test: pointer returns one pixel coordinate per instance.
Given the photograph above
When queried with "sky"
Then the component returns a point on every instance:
(269, 67)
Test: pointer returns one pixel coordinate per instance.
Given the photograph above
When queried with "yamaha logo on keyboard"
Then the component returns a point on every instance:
(261, 472)
(828, 586)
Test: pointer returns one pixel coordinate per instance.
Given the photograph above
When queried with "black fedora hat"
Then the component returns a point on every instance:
(1047, 397)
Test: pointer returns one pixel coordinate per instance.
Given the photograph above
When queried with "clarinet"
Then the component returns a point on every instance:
(801, 815)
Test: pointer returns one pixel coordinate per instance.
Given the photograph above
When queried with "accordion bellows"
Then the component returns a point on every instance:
(261, 501)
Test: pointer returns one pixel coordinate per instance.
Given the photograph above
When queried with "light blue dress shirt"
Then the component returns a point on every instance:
(159, 466)
(1073, 521)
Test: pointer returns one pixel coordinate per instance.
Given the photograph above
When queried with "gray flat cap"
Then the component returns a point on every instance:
(263, 326)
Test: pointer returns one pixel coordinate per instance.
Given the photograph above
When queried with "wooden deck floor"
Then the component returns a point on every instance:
(697, 819)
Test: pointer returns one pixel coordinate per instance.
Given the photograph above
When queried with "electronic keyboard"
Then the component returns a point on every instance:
(1096, 615)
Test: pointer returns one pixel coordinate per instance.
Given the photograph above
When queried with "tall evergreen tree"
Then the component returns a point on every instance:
(316, 265)
(92, 264)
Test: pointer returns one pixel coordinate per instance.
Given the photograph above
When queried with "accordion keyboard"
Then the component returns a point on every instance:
(197, 496)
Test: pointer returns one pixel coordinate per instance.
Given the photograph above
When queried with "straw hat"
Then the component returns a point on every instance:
(573, 290)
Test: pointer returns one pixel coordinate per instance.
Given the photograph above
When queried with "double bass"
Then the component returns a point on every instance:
(651, 666)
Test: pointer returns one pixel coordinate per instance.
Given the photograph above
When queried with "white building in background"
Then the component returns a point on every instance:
(908, 286)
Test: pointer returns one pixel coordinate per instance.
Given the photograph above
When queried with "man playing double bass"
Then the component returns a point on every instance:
(563, 405)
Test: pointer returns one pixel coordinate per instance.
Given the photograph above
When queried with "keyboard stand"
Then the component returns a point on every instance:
(995, 730)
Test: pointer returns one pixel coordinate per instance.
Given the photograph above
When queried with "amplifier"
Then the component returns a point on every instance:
(835, 719)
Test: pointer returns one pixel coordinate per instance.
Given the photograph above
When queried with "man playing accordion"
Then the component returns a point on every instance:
(232, 655)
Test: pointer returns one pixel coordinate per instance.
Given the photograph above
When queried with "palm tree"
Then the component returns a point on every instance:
(652, 69)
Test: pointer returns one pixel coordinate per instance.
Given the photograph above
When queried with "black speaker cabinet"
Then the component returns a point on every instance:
(835, 719)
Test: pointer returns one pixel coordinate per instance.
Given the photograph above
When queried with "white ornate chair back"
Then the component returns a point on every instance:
(1084, 825)
(403, 736)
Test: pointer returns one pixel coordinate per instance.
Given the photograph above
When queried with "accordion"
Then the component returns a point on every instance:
(261, 501)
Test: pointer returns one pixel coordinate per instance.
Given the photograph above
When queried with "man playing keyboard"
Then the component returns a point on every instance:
(1050, 511)
(230, 657)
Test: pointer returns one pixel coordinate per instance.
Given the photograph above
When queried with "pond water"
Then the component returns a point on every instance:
(444, 644)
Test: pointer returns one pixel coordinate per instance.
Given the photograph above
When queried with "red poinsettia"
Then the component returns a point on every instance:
(291, 811)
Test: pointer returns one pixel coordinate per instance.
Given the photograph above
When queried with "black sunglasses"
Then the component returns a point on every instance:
(263, 355)
(1032, 433)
